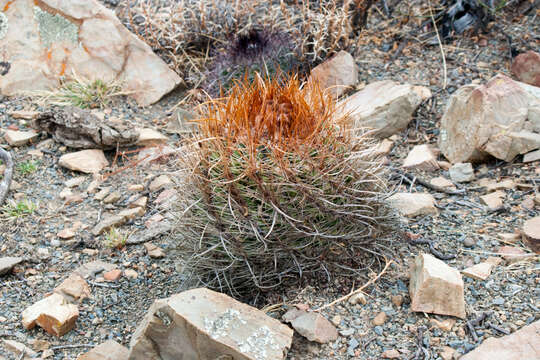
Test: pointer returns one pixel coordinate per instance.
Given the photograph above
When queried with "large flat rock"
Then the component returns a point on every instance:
(201, 324)
(524, 344)
(50, 39)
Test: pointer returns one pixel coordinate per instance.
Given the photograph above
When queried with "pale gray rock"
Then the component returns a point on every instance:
(461, 172)
(384, 106)
(336, 74)
(201, 324)
(7, 263)
(413, 204)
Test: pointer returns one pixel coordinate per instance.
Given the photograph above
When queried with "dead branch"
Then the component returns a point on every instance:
(410, 178)
(5, 156)
(343, 298)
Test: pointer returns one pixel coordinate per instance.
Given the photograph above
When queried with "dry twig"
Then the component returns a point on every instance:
(343, 298)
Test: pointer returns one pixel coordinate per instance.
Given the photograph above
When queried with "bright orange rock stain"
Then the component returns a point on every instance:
(6, 7)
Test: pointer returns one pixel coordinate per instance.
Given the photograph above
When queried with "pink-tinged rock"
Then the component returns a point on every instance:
(109, 350)
(154, 251)
(384, 147)
(385, 106)
(526, 67)
(391, 354)
(336, 74)
(18, 349)
(23, 114)
(86, 161)
(531, 233)
(413, 204)
(54, 314)
(442, 182)
(92, 45)
(499, 119)
(203, 324)
(112, 275)
(20, 138)
(73, 288)
(436, 288)
(513, 254)
(524, 344)
(493, 200)
(313, 326)
(7, 263)
(151, 137)
(421, 157)
(479, 271)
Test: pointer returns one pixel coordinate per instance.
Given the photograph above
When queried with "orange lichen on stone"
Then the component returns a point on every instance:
(49, 54)
(6, 7)
(63, 68)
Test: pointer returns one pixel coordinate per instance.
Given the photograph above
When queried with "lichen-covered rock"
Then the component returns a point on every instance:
(43, 41)
(201, 324)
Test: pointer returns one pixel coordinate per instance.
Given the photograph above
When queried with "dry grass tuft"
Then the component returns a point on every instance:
(276, 189)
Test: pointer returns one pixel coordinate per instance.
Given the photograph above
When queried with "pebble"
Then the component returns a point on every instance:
(347, 332)
(469, 242)
(379, 319)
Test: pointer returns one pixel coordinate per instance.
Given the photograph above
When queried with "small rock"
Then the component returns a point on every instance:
(526, 67)
(421, 157)
(384, 147)
(209, 323)
(397, 300)
(509, 237)
(479, 271)
(531, 233)
(493, 200)
(444, 325)
(159, 183)
(336, 74)
(391, 354)
(150, 137)
(73, 288)
(20, 138)
(448, 353)
(436, 287)
(155, 154)
(131, 274)
(140, 202)
(413, 204)
(112, 275)
(65, 234)
(442, 182)
(74, 182)
(112, 197)
(54, 314)
(522, 344)
(379, 319)
(129, 214)
(92, 187)
(461, 172)
(18, 349)
(469, 242)
(109, 350)
(336, 320)
(513, 254)
(358, 298)
(347, 332)
(86, 161)
(315, 327)
(136, 187)
(490, 185)
(102, 194)
(154, 251)
(7, 263)
(94, 267)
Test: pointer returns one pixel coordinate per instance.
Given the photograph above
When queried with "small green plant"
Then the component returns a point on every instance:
(83, 93)
(19, 208)
(115, 239)
(27, 167)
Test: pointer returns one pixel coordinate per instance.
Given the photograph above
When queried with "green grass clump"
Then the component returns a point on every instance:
(83, 93)
(114, 239)
(278, 189)
(20, 208)
(27, 167)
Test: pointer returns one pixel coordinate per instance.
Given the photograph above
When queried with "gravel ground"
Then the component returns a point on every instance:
(463, 227)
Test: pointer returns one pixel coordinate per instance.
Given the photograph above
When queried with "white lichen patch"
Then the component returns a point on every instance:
(55, 28)
(223, 324)
(3, 25)
(258, 343)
